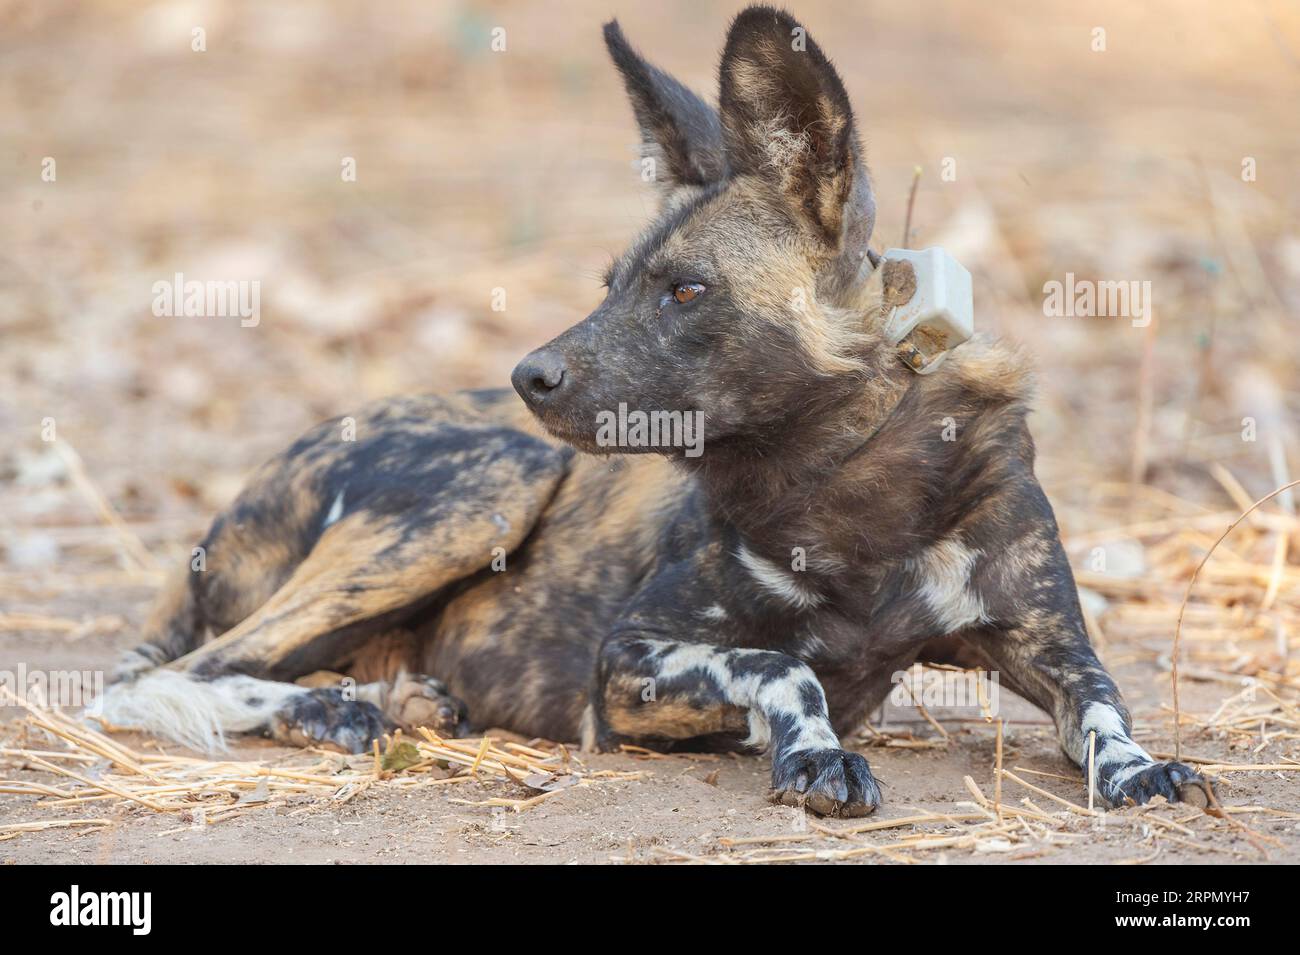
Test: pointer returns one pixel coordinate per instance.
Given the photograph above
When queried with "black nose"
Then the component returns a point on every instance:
(540, 375)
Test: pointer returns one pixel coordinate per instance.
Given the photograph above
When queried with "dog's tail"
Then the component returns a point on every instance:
(196, 713)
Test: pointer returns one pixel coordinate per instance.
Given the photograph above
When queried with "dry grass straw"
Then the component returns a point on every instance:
(135, 556)
(983, 826)
(97, 769)
(1275, 571)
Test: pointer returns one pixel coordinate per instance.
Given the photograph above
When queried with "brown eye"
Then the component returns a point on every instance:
(686, 292)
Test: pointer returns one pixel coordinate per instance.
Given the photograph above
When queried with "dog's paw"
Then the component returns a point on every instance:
(416, 701)
(829, 782)
(323, 717)
(1175, 781)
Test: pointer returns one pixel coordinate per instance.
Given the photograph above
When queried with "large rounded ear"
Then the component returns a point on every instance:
(786, 118)
(679, 131)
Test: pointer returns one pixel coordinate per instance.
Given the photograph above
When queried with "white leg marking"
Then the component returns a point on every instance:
(764, 699)
(777, 581)
(1115, 748)
(943, 570)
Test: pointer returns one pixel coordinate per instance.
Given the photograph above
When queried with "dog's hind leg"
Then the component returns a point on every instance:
(345, 716)
(384, 673)
(370, 569)
(248, 553)
(362, 573)
(409, 463)
(235, 569)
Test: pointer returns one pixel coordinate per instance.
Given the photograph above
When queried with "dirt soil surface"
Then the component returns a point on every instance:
(683, 807)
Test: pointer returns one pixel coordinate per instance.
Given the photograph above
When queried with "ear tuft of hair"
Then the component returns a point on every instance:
(677, 127)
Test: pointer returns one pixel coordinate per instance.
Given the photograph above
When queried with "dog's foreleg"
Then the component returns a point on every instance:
(1055, 667)
(649, 687)
(1031, 628)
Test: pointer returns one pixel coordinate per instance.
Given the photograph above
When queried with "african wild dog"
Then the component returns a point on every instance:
(651, 597)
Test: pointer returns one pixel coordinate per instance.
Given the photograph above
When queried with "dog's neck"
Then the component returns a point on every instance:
(817, 481)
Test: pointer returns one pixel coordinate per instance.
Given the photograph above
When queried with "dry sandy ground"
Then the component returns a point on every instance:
(682, 807)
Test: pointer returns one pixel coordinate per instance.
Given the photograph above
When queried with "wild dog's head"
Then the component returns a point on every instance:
(736, 302)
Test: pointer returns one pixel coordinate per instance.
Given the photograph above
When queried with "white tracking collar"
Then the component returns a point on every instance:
(925, 305)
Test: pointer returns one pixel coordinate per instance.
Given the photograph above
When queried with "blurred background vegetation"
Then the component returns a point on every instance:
(479, 170)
